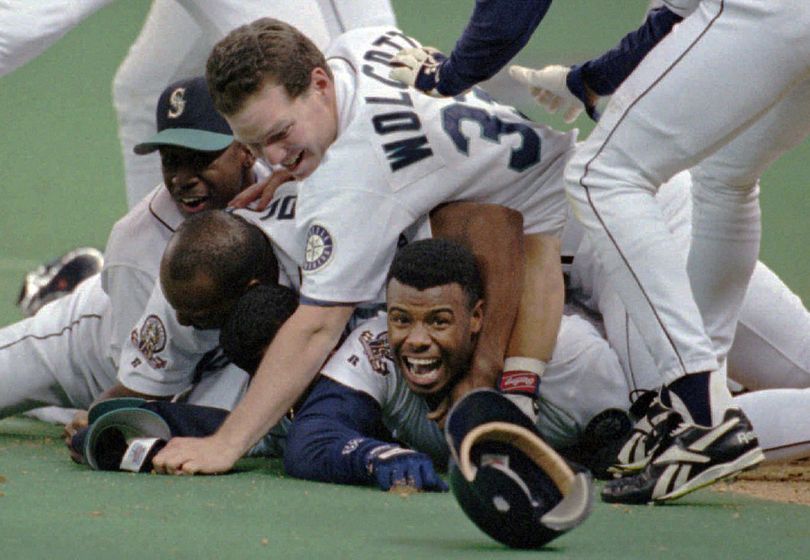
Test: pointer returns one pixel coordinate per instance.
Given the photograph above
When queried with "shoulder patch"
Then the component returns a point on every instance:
(150, 340)
(377, 351)
(320, 248)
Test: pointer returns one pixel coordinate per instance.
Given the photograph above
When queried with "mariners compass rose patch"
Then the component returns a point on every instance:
(320, 247)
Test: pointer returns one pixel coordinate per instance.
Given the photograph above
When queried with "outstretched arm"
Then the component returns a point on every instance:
(338, 436)
(496, 32)
(289, 365)
(579, 87)
(604, 74)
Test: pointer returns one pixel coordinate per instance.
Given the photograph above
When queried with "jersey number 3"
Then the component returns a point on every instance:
(492, 128)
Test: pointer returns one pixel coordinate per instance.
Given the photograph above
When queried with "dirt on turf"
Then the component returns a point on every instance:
(781, 482)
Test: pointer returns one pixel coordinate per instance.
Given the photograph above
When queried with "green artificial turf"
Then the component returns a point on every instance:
(52, 508)
(62, 183)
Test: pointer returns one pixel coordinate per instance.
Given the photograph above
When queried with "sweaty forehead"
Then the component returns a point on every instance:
(409, 298)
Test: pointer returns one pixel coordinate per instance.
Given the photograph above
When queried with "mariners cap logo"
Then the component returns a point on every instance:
(177, 103)
(320, 247)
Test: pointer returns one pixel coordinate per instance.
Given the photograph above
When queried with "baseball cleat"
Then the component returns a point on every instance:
(688, 458)
(655, 420)
(58, 278)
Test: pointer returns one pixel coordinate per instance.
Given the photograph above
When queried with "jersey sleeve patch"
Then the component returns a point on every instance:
(150, 340)
(377, 350)
(320, 248)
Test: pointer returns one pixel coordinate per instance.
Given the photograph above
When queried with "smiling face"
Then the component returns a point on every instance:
(200, 181)
(292, 132)
(432, 333)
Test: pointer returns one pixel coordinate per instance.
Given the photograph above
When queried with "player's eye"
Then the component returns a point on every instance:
(281, 135)
(169, 161)
(203, 160)
(399, 319)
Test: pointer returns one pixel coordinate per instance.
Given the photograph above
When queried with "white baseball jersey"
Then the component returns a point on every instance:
(399, 154)
(688, 105)
(364, 363)
(160, 356)
(567, 398)
(60, 356)
(132, 259)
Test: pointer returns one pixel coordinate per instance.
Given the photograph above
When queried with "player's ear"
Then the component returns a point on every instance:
(320, 80)
(477, 317)
(247, 157)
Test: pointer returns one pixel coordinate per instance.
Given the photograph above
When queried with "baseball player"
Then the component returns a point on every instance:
(686, 308)
(68, 354)
(188, 315)
(689, 326)
(587, 382)
(772, 318)
(199, 249)
(416, 152)
(389, 373)
(174, 41)
(369, 389)
(162, 355)
(584, 387)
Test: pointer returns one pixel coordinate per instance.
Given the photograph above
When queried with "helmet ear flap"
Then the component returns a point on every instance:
(507, 480)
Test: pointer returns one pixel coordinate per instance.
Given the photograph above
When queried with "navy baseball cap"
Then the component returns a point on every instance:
(186, 117)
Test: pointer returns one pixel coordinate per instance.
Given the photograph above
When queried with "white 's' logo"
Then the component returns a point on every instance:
(177, 103)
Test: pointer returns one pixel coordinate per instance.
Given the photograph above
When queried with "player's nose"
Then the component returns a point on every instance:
(418, 338)
(183, 175)
(274, 154)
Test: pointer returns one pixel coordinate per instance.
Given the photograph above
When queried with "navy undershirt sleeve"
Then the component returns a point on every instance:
(606, 73)
(497, 31)
(332, 433)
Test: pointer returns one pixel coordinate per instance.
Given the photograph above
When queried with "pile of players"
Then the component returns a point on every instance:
(390, 297)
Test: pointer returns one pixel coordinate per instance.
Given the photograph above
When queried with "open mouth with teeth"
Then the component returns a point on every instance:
(292, 163)
(422, 372)
(192, 204)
